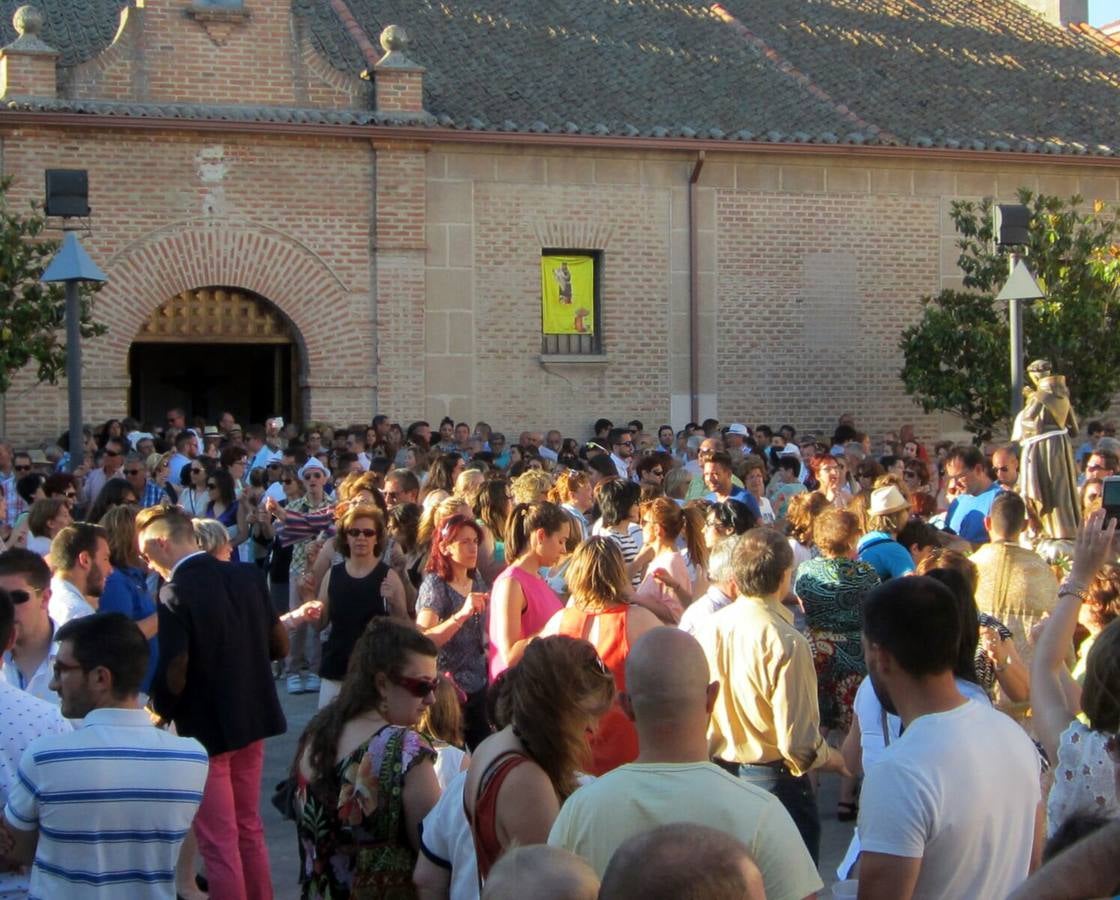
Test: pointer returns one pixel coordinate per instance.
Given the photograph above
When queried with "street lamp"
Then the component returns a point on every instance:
(1011, 227)
(67, 192)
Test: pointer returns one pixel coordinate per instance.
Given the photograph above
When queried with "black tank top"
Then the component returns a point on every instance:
(353, 603)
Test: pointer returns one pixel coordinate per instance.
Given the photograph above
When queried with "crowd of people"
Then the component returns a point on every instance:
(611, 667)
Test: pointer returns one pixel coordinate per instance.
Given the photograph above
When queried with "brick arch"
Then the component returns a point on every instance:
(191, 255)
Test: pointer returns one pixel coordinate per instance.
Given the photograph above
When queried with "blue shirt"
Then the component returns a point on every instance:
(126, 591)
(967, 513)
(743, 496)
(888, 557)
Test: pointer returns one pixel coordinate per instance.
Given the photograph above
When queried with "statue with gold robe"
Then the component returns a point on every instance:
(1047, 470)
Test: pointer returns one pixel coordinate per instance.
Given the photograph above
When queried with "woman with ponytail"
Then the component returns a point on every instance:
(521, 601)
(668, 588)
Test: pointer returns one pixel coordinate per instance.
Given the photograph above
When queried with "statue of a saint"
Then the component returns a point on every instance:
(1047, 471)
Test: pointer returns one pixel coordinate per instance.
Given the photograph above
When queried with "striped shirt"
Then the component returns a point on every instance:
(112, 803)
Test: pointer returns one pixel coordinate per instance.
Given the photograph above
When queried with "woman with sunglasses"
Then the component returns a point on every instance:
(364, 779)
(226, 507)
(519, 776)
(354, 592)
(159, 472)
(451, 610)
(195, 494)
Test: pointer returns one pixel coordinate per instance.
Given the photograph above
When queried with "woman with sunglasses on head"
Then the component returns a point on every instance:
(354, 592)
(451, 610)
(550, 704)
(364, 778)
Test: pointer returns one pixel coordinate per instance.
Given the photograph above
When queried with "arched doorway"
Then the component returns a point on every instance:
(214, 349)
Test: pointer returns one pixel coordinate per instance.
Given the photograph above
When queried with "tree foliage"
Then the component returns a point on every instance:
(957, 355)
(32, 314)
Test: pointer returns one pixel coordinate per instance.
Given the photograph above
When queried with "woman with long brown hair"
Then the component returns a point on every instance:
(521, 601)
(600, 611)
(518, 777)
(364, 779)
(668, 587)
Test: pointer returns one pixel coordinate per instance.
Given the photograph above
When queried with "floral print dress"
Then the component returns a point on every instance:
(357, 847)
(832, 592)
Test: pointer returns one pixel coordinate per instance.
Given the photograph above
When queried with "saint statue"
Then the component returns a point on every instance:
(1047, 471)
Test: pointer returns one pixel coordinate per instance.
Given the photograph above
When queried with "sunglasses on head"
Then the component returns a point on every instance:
(361, 532)
(418, 687)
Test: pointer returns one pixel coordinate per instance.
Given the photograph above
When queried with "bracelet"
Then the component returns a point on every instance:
(1082, 596)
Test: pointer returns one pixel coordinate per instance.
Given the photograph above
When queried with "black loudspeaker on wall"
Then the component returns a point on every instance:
(67, 193)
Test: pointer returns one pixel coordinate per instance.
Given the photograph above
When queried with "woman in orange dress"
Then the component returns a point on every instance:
(600, 612)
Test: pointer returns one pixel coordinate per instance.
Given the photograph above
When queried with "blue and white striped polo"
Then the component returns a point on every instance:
(112, 801)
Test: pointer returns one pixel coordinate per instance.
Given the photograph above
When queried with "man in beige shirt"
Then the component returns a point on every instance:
(765, 722)
(1014, 585)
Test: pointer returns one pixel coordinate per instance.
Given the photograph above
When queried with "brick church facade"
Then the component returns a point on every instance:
(299, 212)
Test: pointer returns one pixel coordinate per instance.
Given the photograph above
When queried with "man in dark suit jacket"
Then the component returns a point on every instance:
(217, 636)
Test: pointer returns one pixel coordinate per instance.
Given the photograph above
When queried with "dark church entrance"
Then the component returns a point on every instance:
(212, 350)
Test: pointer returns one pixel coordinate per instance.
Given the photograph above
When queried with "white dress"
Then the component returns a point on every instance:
(1084, 777)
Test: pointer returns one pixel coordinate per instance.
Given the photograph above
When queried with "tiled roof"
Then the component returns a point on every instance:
(77, 29)
(971, 74)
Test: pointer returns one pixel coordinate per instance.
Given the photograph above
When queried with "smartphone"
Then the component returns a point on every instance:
(1110, 497)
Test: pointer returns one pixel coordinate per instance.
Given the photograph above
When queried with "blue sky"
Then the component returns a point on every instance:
(1101, 12)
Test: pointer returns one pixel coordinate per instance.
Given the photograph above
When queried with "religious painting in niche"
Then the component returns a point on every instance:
(568, 294)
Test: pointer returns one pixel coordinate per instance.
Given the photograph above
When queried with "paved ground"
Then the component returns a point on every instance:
(281, 834)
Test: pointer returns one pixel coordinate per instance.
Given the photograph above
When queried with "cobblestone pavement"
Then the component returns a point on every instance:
(281, 834)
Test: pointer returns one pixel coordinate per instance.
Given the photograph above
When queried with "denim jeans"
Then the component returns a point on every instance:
(798, 797)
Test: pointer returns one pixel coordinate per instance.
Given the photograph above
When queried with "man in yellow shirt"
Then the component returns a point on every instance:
(765, 722)
(1014, 585)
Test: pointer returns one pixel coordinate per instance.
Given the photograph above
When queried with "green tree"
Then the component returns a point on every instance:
(956, 356)
(32, 314)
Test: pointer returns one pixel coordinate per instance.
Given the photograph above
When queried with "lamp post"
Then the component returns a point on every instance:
(1011, 227)
(71, 265)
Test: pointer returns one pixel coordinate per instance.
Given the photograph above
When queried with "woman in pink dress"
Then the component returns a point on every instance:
(521, 602)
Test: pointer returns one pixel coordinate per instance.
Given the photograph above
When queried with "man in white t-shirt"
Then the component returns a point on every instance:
(669, 698)
(941, 814)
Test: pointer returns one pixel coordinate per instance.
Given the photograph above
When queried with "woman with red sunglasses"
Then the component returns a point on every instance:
(364, 778)
(360, 588)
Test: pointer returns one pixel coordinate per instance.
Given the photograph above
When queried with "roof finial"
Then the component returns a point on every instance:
(28, 21)
(393, 38)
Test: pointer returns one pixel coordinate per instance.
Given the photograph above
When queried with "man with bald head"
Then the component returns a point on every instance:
(669, 698)
(682, 860)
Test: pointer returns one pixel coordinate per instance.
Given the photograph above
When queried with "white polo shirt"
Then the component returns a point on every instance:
(112, 802)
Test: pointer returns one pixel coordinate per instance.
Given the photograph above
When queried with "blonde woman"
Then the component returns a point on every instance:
(600, 611)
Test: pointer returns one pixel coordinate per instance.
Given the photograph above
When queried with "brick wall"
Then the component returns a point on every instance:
(808, 272)
(162, 54)
(287, 219)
